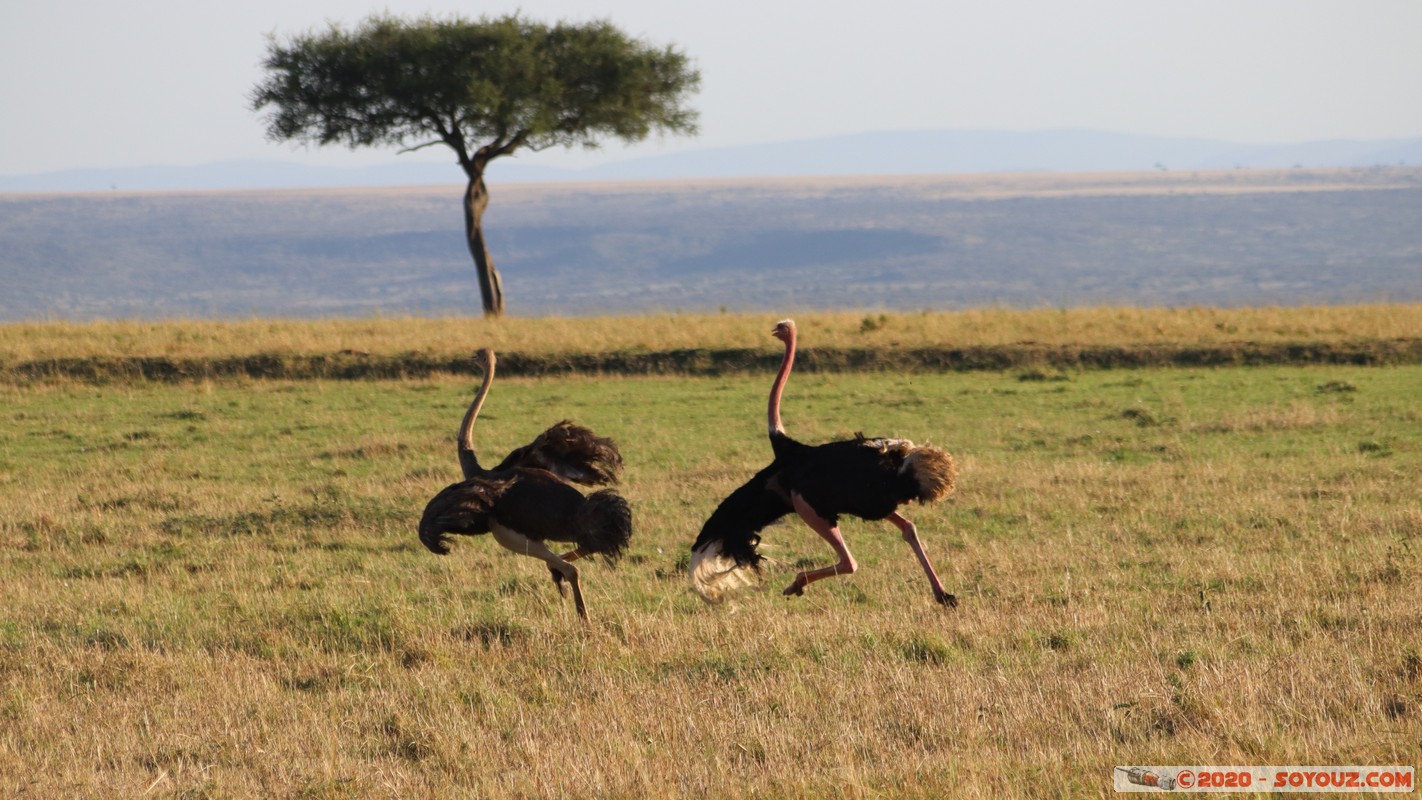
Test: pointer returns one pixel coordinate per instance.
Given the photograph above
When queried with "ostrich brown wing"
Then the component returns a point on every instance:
(461, 508)
(571, 452)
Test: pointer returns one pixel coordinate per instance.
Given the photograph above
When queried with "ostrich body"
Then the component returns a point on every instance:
(861, 477)
(528, 499)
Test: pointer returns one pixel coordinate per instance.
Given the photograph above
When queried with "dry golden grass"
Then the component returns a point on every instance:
(661, 332)
(215, 590)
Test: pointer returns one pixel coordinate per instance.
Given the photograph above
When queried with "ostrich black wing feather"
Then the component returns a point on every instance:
(462, 508)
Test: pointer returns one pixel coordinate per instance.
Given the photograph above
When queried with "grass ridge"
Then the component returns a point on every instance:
(717, 361)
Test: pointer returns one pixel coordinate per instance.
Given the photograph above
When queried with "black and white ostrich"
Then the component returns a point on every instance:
(528, 499)
(861, 477)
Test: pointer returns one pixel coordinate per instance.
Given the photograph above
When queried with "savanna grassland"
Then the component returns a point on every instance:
(212, 588)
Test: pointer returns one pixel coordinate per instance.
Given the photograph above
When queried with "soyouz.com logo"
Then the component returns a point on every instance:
(1264, 779)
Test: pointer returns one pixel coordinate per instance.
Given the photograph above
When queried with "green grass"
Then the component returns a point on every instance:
(214, 590)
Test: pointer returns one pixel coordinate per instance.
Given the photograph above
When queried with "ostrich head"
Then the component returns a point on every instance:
(784, 330)
(483, 358)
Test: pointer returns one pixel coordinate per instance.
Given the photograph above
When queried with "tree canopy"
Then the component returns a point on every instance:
(485, 88)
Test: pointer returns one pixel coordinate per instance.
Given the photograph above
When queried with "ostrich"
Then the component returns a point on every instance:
(862, 477)
(528, 499)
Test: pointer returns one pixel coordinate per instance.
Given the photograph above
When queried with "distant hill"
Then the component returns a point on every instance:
(1176, 238)
(887, 153)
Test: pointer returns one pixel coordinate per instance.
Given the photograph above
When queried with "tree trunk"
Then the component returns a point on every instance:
(476, 199)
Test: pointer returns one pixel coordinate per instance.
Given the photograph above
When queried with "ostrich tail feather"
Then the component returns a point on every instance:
(715, 575)
(604, 524)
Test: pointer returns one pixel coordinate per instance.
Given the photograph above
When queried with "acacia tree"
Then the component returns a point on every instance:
(484, 88)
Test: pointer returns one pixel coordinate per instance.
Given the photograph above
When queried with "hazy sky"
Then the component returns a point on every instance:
(112, 83)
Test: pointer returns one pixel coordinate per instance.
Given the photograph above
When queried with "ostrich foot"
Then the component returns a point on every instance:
(796, 589)
(945, 599)
(558, 582)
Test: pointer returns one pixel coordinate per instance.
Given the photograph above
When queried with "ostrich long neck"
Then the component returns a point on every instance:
(467, 460)
(777, 388)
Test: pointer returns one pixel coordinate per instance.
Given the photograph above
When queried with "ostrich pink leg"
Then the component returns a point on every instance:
(829, 533)
(517, 542)
(571, 555)
(910, 533)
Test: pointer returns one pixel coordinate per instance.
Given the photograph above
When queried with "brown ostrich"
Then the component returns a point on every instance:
(528, 499)
(861, 477)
